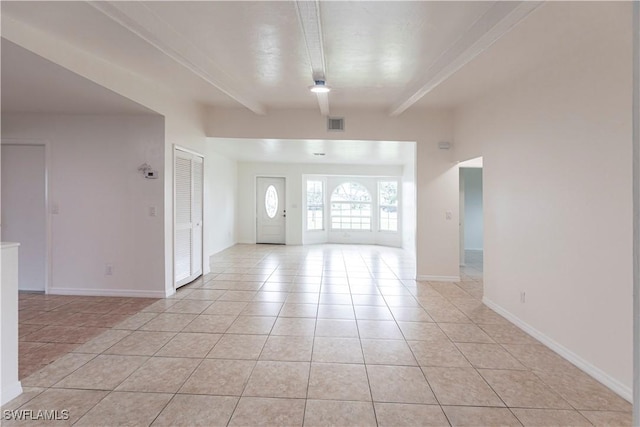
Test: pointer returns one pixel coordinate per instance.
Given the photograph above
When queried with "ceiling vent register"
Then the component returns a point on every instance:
(335, 124)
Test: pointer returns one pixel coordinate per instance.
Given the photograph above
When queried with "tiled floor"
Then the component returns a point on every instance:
(54, 325)
(319, 335)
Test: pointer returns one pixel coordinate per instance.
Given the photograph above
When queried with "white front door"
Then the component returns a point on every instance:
(24, 210)
(188, 185)
(271, 212)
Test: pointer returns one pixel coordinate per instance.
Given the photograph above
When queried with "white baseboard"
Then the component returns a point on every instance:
(595, 372)
(10, 392)
(107, 292)
(428, 278)
(474, 249)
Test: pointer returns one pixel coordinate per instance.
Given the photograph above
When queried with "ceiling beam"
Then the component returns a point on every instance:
(140, 20)
(309, 17)
(491, 26)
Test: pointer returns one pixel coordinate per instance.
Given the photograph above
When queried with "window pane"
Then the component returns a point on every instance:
(388, 193)
(271, 201)
(315, 205)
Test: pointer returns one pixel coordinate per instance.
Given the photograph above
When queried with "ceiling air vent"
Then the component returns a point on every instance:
(335, 124)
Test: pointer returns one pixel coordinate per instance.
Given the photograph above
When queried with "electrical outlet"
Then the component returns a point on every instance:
(448, 215)
(522, 297)
(108, 270)
(152, 211)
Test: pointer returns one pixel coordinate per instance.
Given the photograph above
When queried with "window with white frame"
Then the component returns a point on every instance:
(350, 207)
(315, 205)
(388, 205)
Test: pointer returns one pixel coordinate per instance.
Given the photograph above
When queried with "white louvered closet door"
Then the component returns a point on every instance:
(188, 176)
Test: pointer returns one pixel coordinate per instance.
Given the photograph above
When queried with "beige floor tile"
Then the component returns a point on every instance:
(338, 382)
(136, 321)
(506, 333)
(104, 372)
(186, 344)
(609, 418)
(303, 298)
(550, 417)
(160, 375)
(159, 306)
(290, 349)
(461, 386)
(582, 391)
(421, 331)
(205, 294)
(262, 309)
(441, 353)
(468, 416)
(103, 341)
(269, 296)
(278, 379)
(141, 343)
(410, 314)
(28, 393)
(56, 371)
(294, 326)
(238, 296)
(168, 322)
(299, 310)
(489, 356)
(337, 350)
(321, 413)
(210, 324)
(226, 308)
(256, 411)
(257, 325)
(335, 299)
(399, 384)
(366, 312)
(387, 352)
(379, 329)
(406, 415)
(76, 402)
(233, 346)
(367, 296)
(336, 328)
(126, 409)
(523, 389)
(465, 333)
(335, 312)
(219, 377)
(188, 410)
(538, 357)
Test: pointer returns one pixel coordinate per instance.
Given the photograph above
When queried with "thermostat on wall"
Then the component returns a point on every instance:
(148, 172)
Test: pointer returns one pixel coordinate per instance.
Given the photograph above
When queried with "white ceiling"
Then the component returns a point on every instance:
(302, 151)
(384, 55)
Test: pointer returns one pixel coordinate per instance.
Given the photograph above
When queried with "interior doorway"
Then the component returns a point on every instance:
(271, 210)
(24, 210)
(471, 219)
(188, 216)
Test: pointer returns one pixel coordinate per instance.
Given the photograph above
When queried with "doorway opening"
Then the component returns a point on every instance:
(25, 219)
(471, 220)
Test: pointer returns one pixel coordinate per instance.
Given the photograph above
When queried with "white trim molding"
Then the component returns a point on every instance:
(135, 293)
(429, 278)
(616, 386)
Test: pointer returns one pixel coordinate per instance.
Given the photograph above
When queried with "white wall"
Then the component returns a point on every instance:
(247, 173)
(557, 198)
(473, 227)
(220, 200)
(103, 200)
(409, 214)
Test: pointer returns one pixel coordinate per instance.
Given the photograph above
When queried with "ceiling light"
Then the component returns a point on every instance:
(320, 86)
